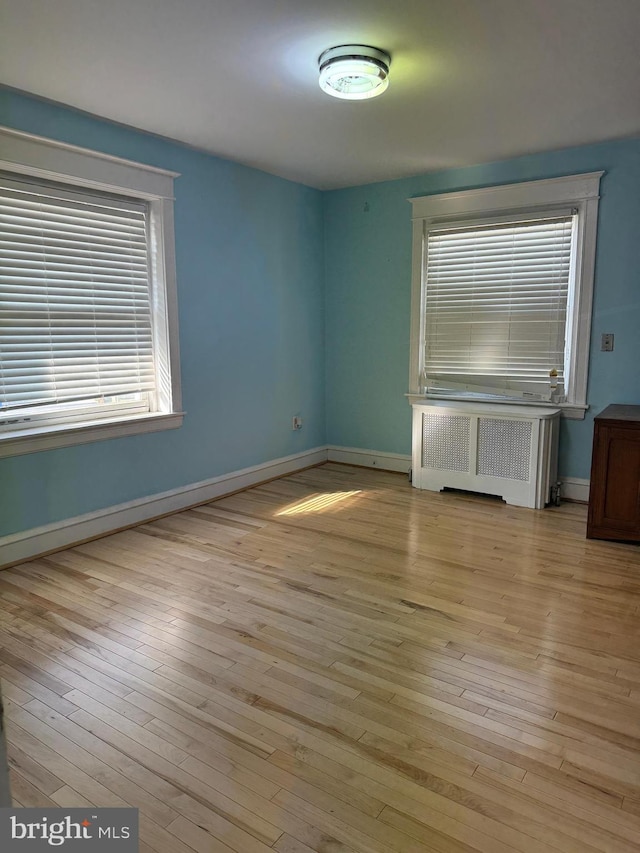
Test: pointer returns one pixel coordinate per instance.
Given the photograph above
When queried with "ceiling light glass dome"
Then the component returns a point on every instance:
(354, 71)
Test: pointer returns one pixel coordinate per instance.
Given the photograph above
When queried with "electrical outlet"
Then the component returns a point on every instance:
(296, 422)
(606, 342)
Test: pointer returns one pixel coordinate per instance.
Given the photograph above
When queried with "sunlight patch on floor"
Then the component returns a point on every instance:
(323, 502)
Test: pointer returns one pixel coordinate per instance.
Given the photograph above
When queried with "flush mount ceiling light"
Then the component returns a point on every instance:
(354, 71)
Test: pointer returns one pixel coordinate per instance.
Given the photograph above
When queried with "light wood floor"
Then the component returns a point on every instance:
(335, 662)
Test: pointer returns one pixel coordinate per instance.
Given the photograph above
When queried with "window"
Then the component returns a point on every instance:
(502, 290)
(496, 304)
(88, 339)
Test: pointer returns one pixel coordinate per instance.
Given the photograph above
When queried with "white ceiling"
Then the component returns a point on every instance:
(471, 80)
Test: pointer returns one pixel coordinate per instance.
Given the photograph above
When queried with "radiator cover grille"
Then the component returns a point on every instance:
(504, 448)
(445, 442)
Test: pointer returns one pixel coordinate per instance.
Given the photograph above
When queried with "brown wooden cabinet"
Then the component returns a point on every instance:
(614, 498)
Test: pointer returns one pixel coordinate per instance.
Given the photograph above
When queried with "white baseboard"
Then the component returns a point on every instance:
(370, 458)
(574, 489)
(51, 537)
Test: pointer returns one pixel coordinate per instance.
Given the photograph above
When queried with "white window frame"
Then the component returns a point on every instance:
(580, 192)
(40, 158)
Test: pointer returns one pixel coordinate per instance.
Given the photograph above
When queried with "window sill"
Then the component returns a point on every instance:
(20, 442)
(570, 411)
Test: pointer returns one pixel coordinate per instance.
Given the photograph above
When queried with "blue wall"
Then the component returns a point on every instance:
(250, 294)
(368, 295)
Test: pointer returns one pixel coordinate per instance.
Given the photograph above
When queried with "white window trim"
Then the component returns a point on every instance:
(35, 156)
(578, 191)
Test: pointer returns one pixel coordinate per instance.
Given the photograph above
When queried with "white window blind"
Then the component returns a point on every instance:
(75, 312)
(496, 304)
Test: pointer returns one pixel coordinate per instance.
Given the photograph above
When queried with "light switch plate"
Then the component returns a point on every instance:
(606, 344)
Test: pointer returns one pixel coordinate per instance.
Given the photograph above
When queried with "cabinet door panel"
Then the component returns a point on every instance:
(622, 496)
(614, 503)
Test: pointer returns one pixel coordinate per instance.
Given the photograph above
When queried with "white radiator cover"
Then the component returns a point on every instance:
(509, 451)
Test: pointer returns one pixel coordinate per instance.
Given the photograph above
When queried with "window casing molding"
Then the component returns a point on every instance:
(580, 192)
(36, 157)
